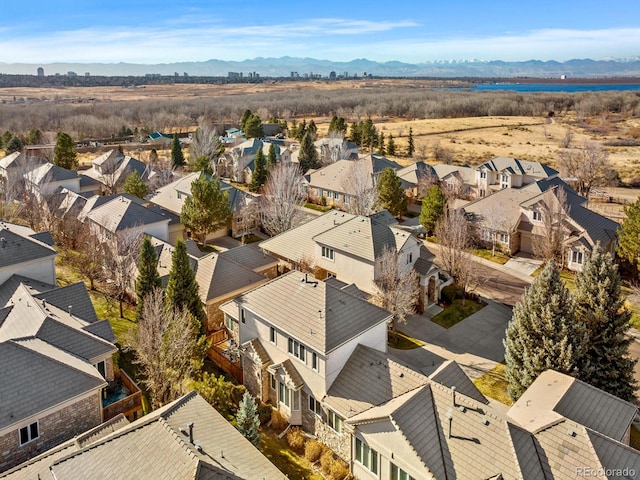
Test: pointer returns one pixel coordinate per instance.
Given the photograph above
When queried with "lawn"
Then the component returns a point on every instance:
(278, 452)
(456, 312)
(319, 208)
(487, 254)
(402, 341)
(568, 277)
(493, 384)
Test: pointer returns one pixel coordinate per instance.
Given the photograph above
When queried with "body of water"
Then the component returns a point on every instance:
(556, 87)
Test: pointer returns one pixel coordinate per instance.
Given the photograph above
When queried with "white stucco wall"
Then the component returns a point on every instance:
(348, 269)
(43, 270)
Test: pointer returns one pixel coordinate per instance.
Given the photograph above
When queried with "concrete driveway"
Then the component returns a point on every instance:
(475, 343)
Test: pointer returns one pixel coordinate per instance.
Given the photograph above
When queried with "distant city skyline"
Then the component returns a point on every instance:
(148, 32)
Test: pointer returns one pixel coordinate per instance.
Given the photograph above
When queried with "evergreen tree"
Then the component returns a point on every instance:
(369, 134)
(313, 130)
(13, 145)
(64, 153)
(259, 171)
(308, 156)
(148, 277)
(542, 333)
(177, 157)
(34, 137)
(245, 116)
(433, 205)
(411, 148)
(600, 306)
(381, 148)
(153, 156)
(253, 127)
(134, 185)
(300, 130)
(203, 164)
(272, 157)
(6, 136)
(629, 236)
(355, 135)
(337, 125)
(207, 209)
(248, 420)
(182, 290)
(391, 146)
(390, 193)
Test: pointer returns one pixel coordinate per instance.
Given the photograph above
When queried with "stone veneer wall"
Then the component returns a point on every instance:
(109, 369)
(55, 429)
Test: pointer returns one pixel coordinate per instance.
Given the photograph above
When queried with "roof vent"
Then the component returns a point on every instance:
(400, 374)
(571, 432)
(182, 431)
(462, 408)
(198, 447)
(485, 421)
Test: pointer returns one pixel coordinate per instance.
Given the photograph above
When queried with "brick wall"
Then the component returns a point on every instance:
(55, 428)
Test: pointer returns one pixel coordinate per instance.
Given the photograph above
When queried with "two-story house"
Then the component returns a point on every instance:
(110, 170)
(237, 163)
(349, 247)
(295, 334)
(27, 253)
(507, 172)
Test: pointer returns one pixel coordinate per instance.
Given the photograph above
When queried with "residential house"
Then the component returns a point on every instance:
(339, 182)
(331, 150)
(519, 219)
(237, 163)
(112, 168)
(171, 197)
(349, 247)
(13, 167)
(52, 337)
(184, 440)
(460, 180)
(416, 177)
(47, 178)
(295, 334)
(24, 252)
(508, 172)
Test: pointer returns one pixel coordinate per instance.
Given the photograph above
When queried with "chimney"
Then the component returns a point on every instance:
(190, 425)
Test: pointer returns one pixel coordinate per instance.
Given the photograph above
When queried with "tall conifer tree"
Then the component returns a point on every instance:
(259, 171)
(148, 277)
(182, 290)
(177, 157)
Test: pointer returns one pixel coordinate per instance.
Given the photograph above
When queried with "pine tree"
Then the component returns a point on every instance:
(134, 185)
(272, 157)
(64, 153)
(390, 193)
(253, 127)
(381, 148)
(153, 157)
(355, 135)
(542, 333)
(203, 164)
(391, 146)
(433, 205)
(369, 134)
(245, 116)
(248, 420)
(148, 277)
(177, 157)
(313, 130)
(629, 236)
(182, 290)
(600, 306)
(207, 209)
(300, 131)
(259, 171)
(411, 148)
(13, 145)
(308, 156)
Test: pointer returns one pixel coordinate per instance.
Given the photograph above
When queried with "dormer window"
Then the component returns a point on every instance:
(537, 216)
(483, 174)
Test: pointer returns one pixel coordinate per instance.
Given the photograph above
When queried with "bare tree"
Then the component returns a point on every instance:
(360, 185)
(246, 218)
(589, 165)
(206, 143)
(455, 238)
(442, 154)
(396, 291)
(120, 258)
(548, 240)
(166, 347)
(494, 223)
(88, 255)
(15, 186)
(566, 140)
(282, 199)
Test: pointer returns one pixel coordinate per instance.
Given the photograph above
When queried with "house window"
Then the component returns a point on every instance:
(272, 335)
(315, 406)
(504, 181)
(483, 174)
(336, 195)
(409, 258)
(102, 368)
(504, 237)
(320, 193)
(283, 394)
(273, 381)
(577, 256)
(537, 216)
(366, 456)
(315, 364)
(179, 195)
(347, 199)
(229, 323)
(242, 316)
(29, 433)
(398, 474)
(296, 349)
(329, 194)
(328, 253)
(335, 421)
(296, 399)
(487, 234)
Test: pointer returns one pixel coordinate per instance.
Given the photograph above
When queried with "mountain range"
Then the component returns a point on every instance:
(284, 66)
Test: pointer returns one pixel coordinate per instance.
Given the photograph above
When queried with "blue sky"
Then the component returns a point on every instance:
(161, 31)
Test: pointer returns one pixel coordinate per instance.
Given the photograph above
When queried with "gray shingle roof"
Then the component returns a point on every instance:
(81, 344)
(154, 448)
(16, 249)
(249, 256)
(613, 456)
(50, 382)
(218, 276)
(122, 213)
(450, 375)
(317, 314)
(11, 285)
(416, 172)
(73, 297)
(370, 378)
(49, 172)
(520, 167)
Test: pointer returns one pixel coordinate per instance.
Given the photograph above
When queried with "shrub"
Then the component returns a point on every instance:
(296, 439)
(264, 412)
(313, 450)
(339, 470)
(323, 201)
(326, 460)
(450, 293)
(278, 422)
(237, 392)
